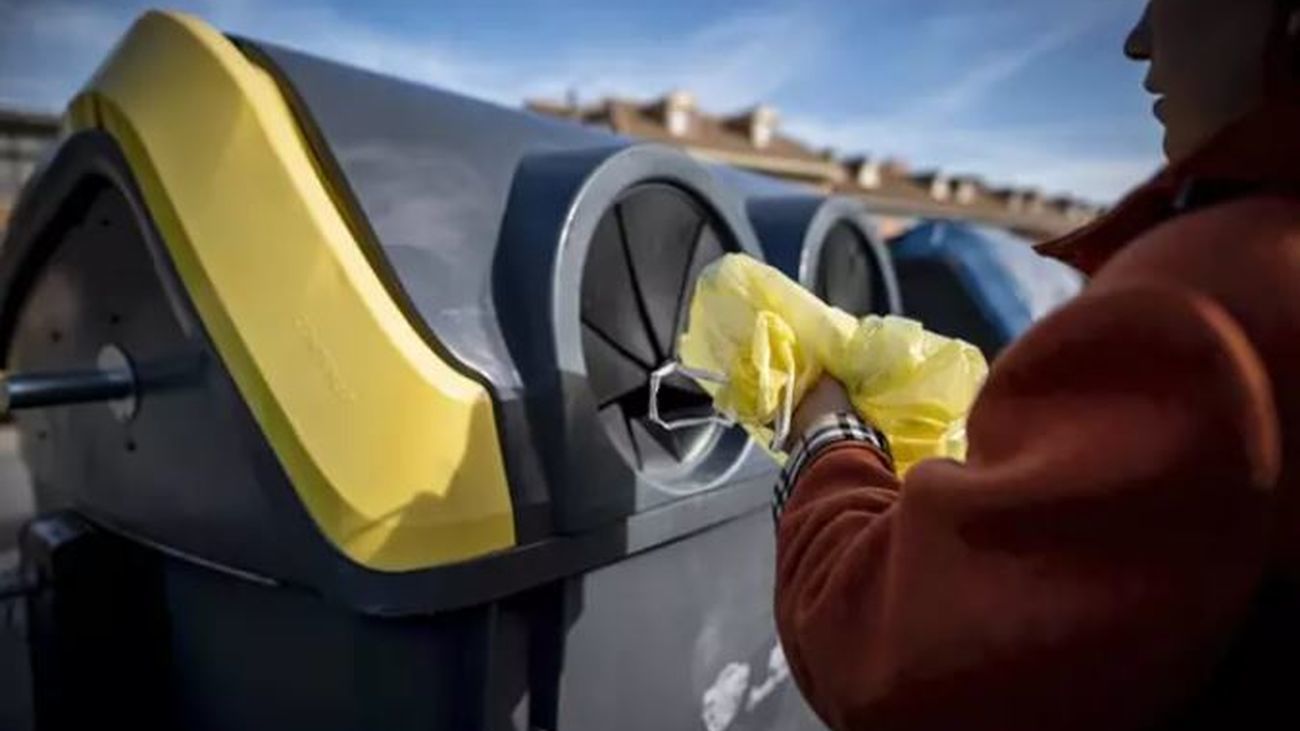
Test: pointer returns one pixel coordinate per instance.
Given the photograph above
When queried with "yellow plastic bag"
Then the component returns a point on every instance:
(768, 340)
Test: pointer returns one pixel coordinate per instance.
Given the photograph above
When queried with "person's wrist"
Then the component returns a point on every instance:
(821, 434)
(826, 398)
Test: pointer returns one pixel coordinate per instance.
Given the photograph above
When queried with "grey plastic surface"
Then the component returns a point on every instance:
(829, 245)
(662, 639)
(192, 480)
(557, 209)
(645, 256)
(431, 172)
(84, 269)
(657, 642)
(484, 217)
(192, 473)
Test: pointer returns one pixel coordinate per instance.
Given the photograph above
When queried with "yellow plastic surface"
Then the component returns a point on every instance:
(771, 340)
(394, 453)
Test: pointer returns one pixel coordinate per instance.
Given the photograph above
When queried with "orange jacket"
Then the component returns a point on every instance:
(1109, 555)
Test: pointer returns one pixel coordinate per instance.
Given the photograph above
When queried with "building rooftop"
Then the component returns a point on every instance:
(752, 139)
(24, 136)
(20, 121)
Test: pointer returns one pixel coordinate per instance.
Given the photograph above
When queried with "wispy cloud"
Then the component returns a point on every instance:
(49, 47)
(727, 62)
(1040, 156)
(975, 84)
(929, 129)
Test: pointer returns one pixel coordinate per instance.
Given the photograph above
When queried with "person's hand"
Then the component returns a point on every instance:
(826, 397)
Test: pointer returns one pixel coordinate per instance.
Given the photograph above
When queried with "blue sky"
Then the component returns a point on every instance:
(1032, 92)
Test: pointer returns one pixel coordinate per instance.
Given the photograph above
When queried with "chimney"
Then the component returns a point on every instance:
(1073, 209)
(895, 168)
(865, 172)
(678, 111)
(1034, 201)
(965, 190)
(1013, 198)
(938, 185)
(762, 121)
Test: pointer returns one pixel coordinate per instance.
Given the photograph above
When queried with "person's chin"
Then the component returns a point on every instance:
(1176, 146)
(1173, 144)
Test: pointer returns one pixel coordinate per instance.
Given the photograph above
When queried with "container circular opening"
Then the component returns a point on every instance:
(848, 275)
(645, 255)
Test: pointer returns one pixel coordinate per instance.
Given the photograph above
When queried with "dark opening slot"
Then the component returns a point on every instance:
(663, 228)
(674, 403)
(708, 249)
(637, 289)
(609, 303)
(640, 273)
(847, 273)
(612, 372)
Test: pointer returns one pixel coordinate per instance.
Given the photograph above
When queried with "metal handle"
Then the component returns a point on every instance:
(673, 367)
(113, 381)
(38, 390)
(781, 429)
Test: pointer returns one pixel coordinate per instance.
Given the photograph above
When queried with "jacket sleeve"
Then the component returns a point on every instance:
(1082, 570)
